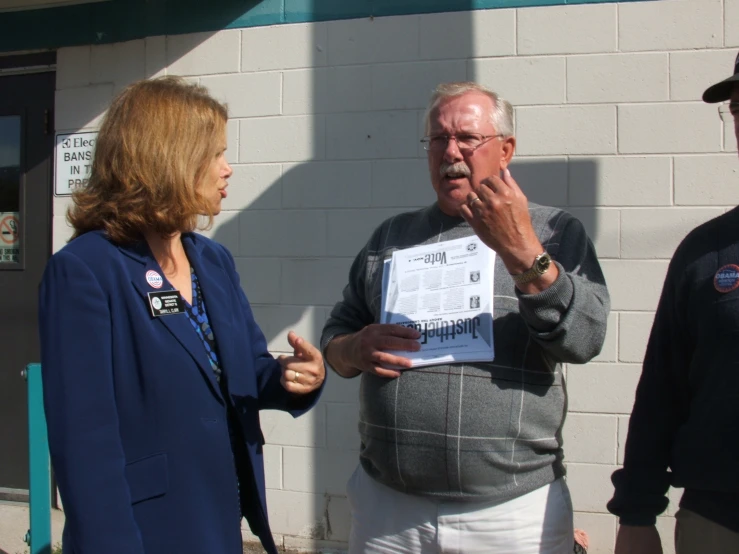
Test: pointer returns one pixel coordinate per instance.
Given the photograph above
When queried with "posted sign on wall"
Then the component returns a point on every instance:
(9, 242)
(73, 161)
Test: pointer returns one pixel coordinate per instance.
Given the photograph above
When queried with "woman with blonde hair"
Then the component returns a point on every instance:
(154, 369)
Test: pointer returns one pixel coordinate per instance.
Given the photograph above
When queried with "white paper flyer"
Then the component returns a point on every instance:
(445, 291)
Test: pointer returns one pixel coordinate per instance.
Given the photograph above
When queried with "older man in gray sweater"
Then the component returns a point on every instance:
(468, 457)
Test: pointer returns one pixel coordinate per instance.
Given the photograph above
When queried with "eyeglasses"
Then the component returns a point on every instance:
(466, 142)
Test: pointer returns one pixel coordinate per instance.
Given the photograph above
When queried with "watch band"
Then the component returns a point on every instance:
(539, 268)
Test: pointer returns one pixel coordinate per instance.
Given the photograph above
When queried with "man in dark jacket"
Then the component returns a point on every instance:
(684, 426)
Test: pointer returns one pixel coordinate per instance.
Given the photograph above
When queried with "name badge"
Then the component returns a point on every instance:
(165, 302)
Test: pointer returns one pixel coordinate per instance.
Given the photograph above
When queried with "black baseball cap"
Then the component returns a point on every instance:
(720, 92)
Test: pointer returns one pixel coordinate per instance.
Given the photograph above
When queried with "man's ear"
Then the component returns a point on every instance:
(508, 148)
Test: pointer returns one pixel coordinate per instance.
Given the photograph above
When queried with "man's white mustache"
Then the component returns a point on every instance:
(459, 168)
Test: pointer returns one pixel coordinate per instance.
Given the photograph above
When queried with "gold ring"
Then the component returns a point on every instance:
(475, 199)
(295, 379)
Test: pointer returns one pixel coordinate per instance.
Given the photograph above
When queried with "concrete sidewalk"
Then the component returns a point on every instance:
(14, 525)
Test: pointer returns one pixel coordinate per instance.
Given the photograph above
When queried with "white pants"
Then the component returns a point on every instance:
(386, 521)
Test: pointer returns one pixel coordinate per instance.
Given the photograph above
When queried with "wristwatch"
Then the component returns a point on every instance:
(540, 267)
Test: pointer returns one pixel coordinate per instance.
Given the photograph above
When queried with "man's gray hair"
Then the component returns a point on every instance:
(501, 117)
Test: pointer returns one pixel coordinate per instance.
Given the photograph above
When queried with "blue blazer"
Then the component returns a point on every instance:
(137, 422)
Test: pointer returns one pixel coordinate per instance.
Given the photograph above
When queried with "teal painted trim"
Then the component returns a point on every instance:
(39, 537)
(122, 20)
(301, 11)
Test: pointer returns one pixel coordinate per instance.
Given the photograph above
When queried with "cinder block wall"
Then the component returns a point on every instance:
(325, 122)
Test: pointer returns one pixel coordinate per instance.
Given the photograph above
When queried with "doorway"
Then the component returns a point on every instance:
(26, 150)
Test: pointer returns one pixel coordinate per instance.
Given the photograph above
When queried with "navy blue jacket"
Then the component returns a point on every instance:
(137, 423)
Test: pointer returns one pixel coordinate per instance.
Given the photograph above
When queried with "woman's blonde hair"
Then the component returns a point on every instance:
(154, 145)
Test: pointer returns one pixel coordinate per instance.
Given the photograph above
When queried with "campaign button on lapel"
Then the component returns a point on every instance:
(154, 279)
(726, 278)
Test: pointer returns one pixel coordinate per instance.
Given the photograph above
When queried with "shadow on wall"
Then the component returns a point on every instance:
(316, 197)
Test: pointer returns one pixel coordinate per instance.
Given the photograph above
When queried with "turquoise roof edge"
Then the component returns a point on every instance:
(122, 20)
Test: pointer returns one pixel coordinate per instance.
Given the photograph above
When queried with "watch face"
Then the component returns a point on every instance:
(542, 263)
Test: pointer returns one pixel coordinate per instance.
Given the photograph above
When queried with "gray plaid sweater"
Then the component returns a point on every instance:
(478, 431)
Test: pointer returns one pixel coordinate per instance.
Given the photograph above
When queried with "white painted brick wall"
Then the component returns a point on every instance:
(314, 281)
(203, 53)
(666, 528)
(656, 232)
(273, 463)
(514, 77)
(634, 284)
(322, 471)
(729, 137)
(602, 388)
(81, 108)
(254, 187)
(280, 428)
(567, 29)
(232, 136)
(327, 89)
(227, 232)
(248, 94)
(283, 233)
(602, 226)
(566, 130)
(542, 179)
(276, 320)
(365, 41)
(371, 135)
(488, 33)
(706, 180)
(261, 279)
(590, 485)
(402, 183)
(283, 47)
(601, 530)
(610, 350)
(327, 185)
(621, 181)
(61, 231)
(282, 139)
(623, 429)
(591, 438)
(691, 127)
(349, 230)
(670, 25)
(617, 78)
(731, 22)
(120, 63)
(689, 71)
(634, 328)
(324, 136)
(418, 78)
